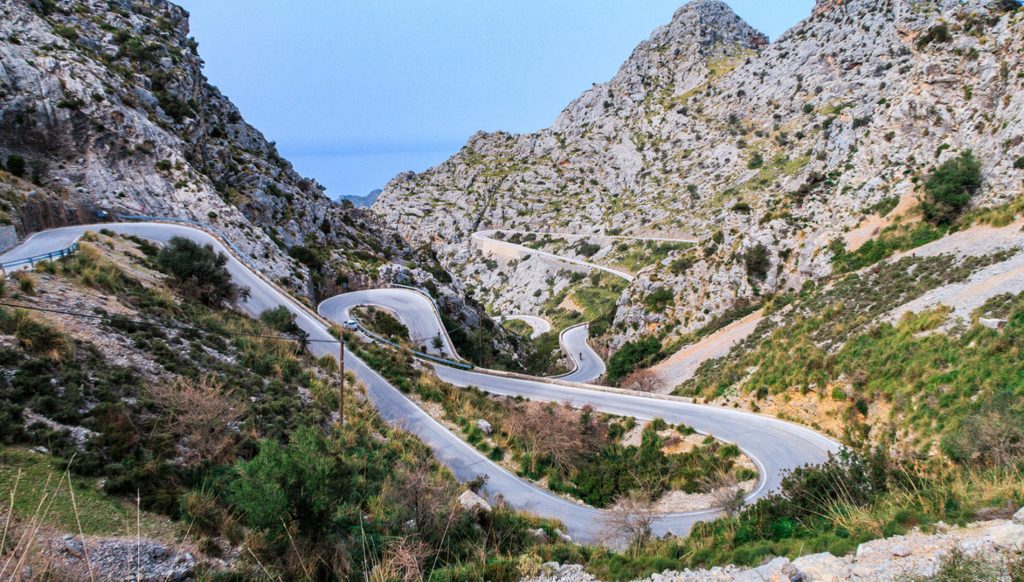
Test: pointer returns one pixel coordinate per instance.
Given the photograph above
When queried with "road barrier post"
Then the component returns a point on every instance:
(341, 387)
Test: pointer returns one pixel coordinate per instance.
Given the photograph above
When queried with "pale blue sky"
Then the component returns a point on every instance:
(356, 92)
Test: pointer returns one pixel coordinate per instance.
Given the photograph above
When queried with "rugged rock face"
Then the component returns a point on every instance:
(765, 153)
(107, 106)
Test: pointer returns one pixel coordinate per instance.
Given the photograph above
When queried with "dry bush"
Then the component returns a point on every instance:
(725, 492)
(643, 380)
(198, 415)
(403, 560)
(630, 520)
(423, 494)
(563, 432)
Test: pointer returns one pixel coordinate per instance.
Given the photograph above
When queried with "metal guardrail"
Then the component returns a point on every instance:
(31, 261)
(422, 355)
(437, 311)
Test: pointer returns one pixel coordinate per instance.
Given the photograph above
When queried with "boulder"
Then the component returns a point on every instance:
(823, 567)
(484, 426)
(538, 534)
(1019, 516)
(991, 323)
(474, 503)
(1009, 536)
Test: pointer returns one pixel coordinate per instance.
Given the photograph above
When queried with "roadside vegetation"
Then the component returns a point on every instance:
(231, 436)
(853, 498)
(831, 343)
(587, 297)
(383, 323)
(577, 452)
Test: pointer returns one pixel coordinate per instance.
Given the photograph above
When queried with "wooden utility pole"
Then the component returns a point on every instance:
(341, 385)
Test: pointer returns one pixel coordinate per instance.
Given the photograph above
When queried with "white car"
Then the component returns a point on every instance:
(350, 324)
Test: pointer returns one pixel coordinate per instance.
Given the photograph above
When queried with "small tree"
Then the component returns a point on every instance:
(283, 320)
(198, 272)
(198, 416)
(757, 262)
(16, 166)
(642, 380)
(949, 188)
(630, 520)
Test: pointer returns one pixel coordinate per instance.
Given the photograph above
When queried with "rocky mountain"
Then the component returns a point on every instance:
(104, 107)
(364, 201)
(765, 153)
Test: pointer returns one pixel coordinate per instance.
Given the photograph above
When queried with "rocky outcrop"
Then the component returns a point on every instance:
(116, 559)
(104, 106)
(756, 150)
(898, 558)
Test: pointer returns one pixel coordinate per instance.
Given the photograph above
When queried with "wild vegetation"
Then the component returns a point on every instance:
(948, 190)
(830, 343)
(855, 497)
(578, 452)
(382, 323)
(228, 432)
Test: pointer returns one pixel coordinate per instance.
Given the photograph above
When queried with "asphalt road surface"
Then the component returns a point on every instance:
(588, 365)
(773, 444)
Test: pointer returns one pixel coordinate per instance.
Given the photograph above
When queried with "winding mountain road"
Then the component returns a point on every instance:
(773, 444)
(588, 365)
(417, 312)
(485, 240)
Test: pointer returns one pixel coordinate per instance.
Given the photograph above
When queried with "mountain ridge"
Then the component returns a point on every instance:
(781, 147)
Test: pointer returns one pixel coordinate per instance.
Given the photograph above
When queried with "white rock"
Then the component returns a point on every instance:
(1008, 537)
(901, 550)
(823, 567)
(1019, 516)
(472, 502)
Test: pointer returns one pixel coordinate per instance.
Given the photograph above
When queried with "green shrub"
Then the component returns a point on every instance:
(938, 33)
(198, 272)
(16, 166)
(26, 282)
(756, 161)
(306, 256)
(283, 320)
(34, 336)
(681, 265)
(757, 262)
(658, 299)
(884, 206)
(1019, 163)
(587, 249)
(38, 168)
(632, 355)
(949, 188)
